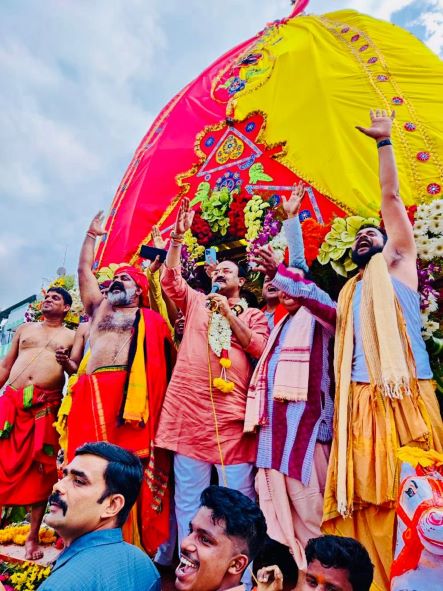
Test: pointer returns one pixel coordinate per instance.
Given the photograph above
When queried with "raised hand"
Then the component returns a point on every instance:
(266, 261)
(270, 578)
(184, 218)
(157, 238)
(381, 124)
(96, 226)
(291, 206)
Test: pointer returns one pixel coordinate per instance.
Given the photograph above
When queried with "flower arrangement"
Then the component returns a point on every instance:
(236, 215)
(16, 533)
(336, 248)
(428, 298)
(270, 233)
(190, 253)
(254, 216)
(26, 576)
(428, 230)
(314, 234)
(214, 210)
(201, 229)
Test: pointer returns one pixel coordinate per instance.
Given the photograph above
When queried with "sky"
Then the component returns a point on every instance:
(81, 83)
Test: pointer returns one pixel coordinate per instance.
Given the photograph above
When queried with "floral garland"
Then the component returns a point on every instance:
(219, 338)
(428, 230)
(236, 215)
(214, 210)
(201, 229)
(314, 234)
(269, 233)
(191, 252)
(427, 221)
(254, 216)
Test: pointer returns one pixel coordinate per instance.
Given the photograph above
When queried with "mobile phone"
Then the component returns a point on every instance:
(210, 256)
(151, 253)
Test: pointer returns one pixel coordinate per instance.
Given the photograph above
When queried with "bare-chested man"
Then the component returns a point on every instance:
(119, 397)
(28, 407)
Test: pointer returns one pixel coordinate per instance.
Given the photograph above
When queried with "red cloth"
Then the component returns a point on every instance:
(96, 402)
(28, 445)
(279, 312)
(140, 280)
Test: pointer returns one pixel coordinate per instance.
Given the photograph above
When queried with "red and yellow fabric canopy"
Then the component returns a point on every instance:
(281, 107)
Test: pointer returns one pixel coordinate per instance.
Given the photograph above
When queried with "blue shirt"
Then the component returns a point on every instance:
(102, 561)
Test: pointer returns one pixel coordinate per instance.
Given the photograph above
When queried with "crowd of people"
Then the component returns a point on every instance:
(297, 410)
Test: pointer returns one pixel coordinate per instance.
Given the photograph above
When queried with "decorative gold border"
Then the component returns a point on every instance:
(404, 136)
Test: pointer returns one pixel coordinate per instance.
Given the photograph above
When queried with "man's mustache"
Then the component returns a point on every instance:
(55, 499)
(118, 284)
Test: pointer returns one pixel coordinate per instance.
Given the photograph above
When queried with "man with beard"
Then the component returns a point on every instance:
(204, 409)
(385, 398)
(87, 508)
(28, 407)
(224, 536)
(120, 396)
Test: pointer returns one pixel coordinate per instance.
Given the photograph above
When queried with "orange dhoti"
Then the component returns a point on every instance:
(28, 444)
(96, 405)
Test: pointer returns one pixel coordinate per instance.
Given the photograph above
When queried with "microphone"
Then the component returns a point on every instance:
(215, 287)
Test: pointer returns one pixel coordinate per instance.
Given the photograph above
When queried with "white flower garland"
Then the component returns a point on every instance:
(220, 333)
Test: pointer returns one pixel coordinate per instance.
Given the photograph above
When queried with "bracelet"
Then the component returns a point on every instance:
(176, 243)
(91, 235)
(384, 143)
(177, 237)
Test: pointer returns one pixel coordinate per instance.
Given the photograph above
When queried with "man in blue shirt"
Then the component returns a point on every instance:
(88, 508)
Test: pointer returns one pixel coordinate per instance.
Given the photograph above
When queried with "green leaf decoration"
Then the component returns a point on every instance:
(349, 264)
(354, 222)
(336, 253)
(202, 193)
(339, 224)
(323, 257)
(339, 268)
(257, 173)
(347, 238)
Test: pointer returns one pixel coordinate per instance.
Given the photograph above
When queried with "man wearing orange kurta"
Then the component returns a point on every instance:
(199, 422)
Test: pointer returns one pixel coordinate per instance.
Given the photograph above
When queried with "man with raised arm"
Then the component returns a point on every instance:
(119, 398)
(28, 407)
(289, 398)
(384, 394)
(204, 409)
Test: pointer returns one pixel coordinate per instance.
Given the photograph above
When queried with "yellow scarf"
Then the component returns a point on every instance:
(136, 408)
(387, 351)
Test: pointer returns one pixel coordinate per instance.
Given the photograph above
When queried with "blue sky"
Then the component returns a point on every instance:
(81, 83)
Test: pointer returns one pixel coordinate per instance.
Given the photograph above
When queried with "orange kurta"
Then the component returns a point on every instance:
(187, 423)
